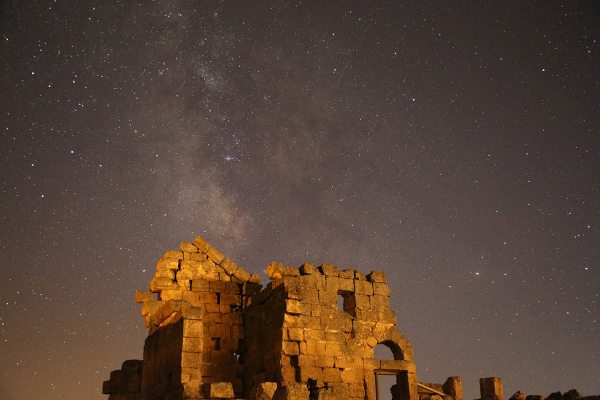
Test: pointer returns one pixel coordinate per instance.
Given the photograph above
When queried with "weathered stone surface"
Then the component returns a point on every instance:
(277, 270)
(376, 276)
(329, 270)
(215, 255)
(291, 392)
(308, 269)
(453, 387)
(188, 247)
(491, 389)
(201, 244)
(141, 297)
(219, 390)
(216, 333)
(263, 391)
(518, 396)
(229, 266)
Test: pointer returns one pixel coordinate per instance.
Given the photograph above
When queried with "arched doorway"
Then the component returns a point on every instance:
(395, 375)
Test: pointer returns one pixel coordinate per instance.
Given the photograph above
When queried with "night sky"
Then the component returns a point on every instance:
(454, 145)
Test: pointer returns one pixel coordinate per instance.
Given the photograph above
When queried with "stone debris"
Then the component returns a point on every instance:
(215, 333)
(572, 394)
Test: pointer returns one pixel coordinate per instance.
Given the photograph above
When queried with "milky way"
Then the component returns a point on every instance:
(453, 145)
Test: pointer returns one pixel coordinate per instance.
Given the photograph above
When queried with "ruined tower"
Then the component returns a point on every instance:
(215, 333)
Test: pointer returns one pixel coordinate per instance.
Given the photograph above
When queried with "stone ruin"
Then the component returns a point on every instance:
(215, 333)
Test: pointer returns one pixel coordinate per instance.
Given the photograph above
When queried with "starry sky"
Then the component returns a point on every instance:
(453, 145)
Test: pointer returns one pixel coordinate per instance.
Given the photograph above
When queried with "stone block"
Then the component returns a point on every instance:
(197, 257)
(165, 272)
(231, 299)
(200, 285)
(329, 270)
(305, 360)
(328, 298)
(307, 269)
(347, 274)
(192, 344)
(254, 279)
(290, 348)
(381, 289)
(151, 306)
(201, 244)
(191, 360)
(193, 328)
(168, 294)
(324, 361)
(361, 301)
(232, 288)
(225, 308)
(491, 388)
(219, 330)
(288, 374)
(453, 387)
(346, 285)
(219, 390)
(359, 276)
(190, 312)
(376, 276)
(333, 349)
(213, 317)
(295, 334)
(141, 297)
(226, 278)
(277, 270)
(363, 287)
(292, 391)
(229, 266)
(190, 265)
(263, 391)
(174, 254)
(312, 348)
(305, 373)
(314, 334)
(352, 376)
(242, 275)
(188, 247)
(332, 375)
(401, 365)
(206, 297)
(214, 255)
(378, 302)
(159, 283)
(212, 308)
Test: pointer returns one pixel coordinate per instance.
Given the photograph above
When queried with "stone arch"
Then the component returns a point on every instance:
(396, 342)
(402, 366)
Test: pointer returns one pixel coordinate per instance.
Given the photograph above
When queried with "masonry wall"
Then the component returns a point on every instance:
(294, 331)
(213, 333)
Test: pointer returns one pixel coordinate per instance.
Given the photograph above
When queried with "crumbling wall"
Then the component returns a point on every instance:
(214, 334)
(294, 331)
(125, 383)
(195, 324)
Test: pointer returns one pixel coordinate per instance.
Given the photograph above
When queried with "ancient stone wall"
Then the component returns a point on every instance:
(215, 334)
(294, 330)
